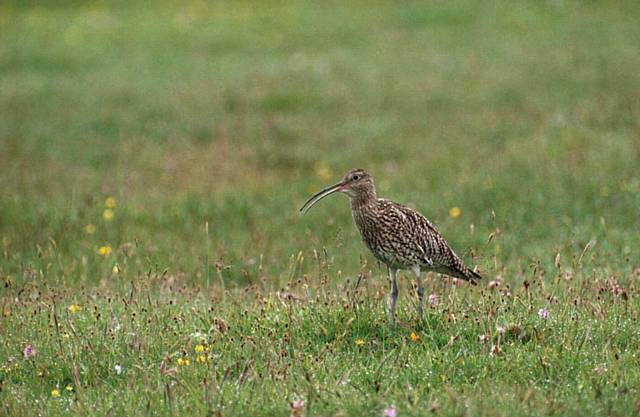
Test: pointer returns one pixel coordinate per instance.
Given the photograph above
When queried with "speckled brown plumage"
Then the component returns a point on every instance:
(402, 238)
(397, 235)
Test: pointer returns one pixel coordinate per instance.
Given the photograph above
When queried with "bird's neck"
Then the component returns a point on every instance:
(364, 201)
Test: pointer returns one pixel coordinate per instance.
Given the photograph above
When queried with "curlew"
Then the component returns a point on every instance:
(398, 236)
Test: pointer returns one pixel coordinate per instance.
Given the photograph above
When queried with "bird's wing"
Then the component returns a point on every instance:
(421, 236)
(411, 232)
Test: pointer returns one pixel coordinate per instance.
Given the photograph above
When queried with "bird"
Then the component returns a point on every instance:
(398, 236)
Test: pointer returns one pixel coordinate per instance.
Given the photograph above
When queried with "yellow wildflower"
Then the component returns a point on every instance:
(454, 212)
(90, 229)
(183, 361)
(116, 269)
(201, 359)
(69, 387)
(74, 308)
(107, 215)
(323, 171)
(414, 337)
(199, 348)
(110, 203)
(104, 251)
(55, 392)
(359, 342)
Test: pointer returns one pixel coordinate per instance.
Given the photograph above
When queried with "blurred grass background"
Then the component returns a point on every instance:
(231, 113)
(153, 152)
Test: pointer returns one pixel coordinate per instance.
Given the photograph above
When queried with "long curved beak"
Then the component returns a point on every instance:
(320, 195)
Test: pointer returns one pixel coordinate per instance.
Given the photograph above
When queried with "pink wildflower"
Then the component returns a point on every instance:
(543, 313)
(389, 412)
(433, 300)
(28, 352)
(483, 338)
(297, 406)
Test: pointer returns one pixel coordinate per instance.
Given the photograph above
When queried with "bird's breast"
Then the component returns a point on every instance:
(379, 238)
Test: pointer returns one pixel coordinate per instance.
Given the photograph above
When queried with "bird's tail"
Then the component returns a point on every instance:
(457, 268)
(473, 276)
(466, 274)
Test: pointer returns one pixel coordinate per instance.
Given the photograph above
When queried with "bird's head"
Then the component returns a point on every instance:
(356, 184)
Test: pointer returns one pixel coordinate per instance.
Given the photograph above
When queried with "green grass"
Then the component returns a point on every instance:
(210, 124)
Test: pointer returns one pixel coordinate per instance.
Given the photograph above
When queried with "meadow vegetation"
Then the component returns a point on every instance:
(153, 157)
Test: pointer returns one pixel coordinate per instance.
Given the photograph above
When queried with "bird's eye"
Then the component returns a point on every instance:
(356, 177)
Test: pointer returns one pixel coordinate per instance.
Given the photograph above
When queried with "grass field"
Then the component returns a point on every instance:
(153, 157)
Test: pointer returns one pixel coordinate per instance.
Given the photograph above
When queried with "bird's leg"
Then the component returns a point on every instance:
(393, 295)
(420, 291)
